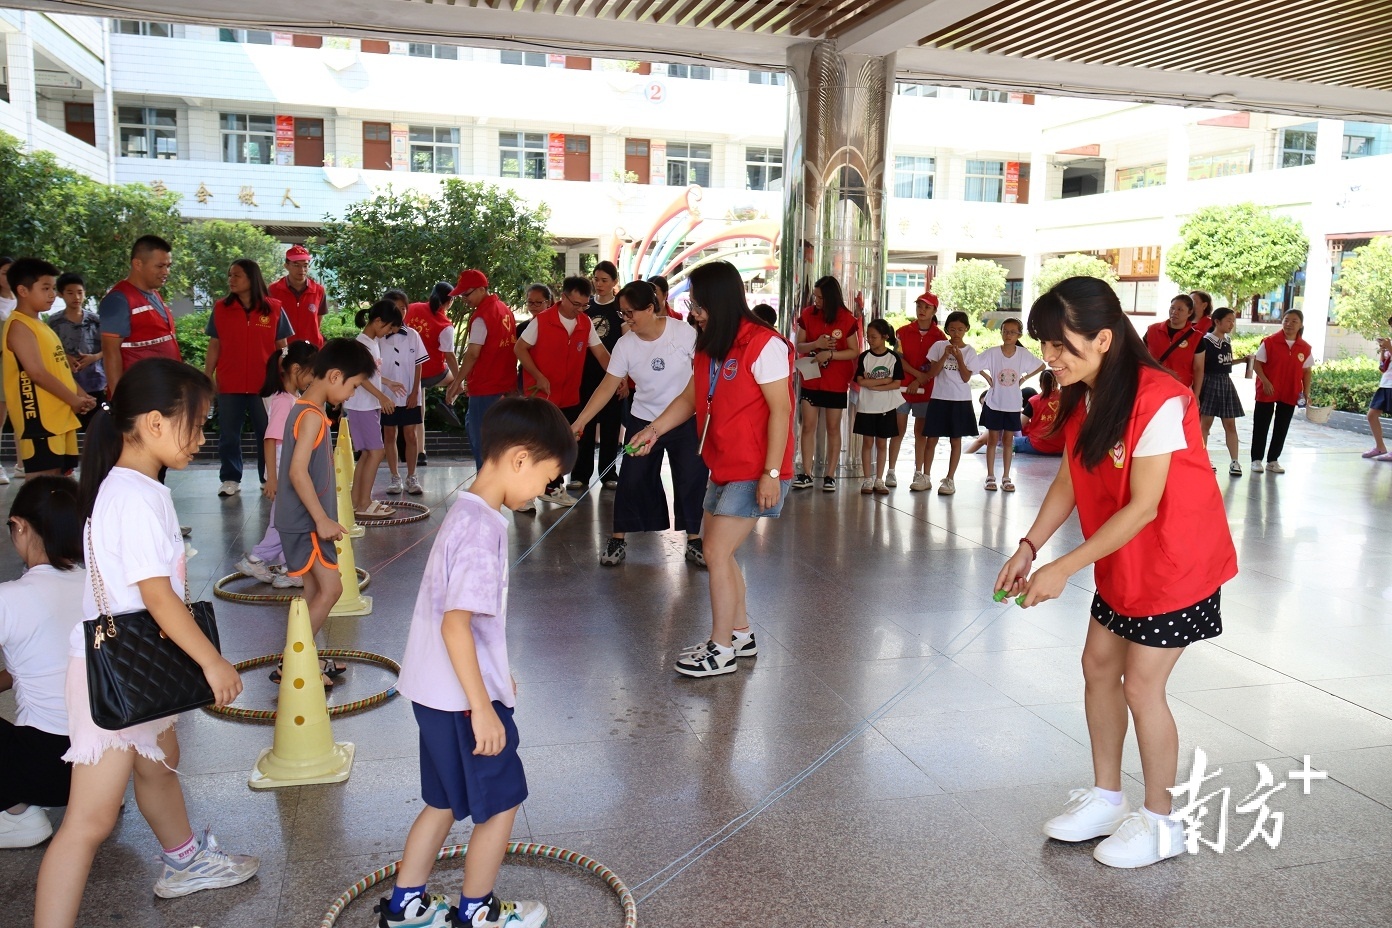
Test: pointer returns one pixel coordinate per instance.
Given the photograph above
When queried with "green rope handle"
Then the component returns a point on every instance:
(269, 715)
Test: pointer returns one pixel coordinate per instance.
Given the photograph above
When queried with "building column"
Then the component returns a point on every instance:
(1176, 177)
(19, 53)
(1319, 272)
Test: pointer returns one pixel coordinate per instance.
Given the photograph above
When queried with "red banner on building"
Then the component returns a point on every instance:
(555, 156)
(285, 140)
(1012, 182)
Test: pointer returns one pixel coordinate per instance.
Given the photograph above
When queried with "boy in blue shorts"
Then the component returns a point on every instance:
(455, 672)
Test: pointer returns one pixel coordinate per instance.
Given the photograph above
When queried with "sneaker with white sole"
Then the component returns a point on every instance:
(528, 506)
(802, 482)
(1257, 467)
(575, 485)
(615, 550)
(867, 486)
(1087, 815)
(287, 582)
(254, 567)
(394, 486)
(4, 477)
(495, 913)
(890, 480)
(211, 868)
(560, 497)
(25, 829)
(881, 488)
(229, 488)
(1274, 467)
(696, 552)
(743, 643)
(419, 912)
(947, 487)
(921, 481)
(413, 485)
(708, 661)
(1234, 469)
(1140, 841)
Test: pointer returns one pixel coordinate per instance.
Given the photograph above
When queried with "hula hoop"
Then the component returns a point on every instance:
(418, 512)
(517, 848)
(347, 708)
(219, 590)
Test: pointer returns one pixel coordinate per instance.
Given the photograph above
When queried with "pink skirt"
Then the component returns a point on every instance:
(88, 741)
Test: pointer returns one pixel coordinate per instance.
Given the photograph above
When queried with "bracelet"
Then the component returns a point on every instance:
(1034, 552)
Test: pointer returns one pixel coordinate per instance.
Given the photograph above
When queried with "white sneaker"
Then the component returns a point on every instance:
(920, 481)
(413, 486)
(560, 497)
(1141, 841)
(706, 662)
(254, 567)
(4, 477)
(867, 486)
(891, 480)
(1275, 467)
(287, 582)
(394, 485)
(1087, 815)
(229, 488)
(25, 829)
(211, 868)
(1257, 467)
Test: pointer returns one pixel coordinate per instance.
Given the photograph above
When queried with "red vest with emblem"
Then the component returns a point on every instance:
(302, 309)
(560, 356)
(247, 340)
(1285, 368)
(495, 371)
(913, 346)
(1186, 553)
(1041, 420)
(151, 334)
(836, 377)
(736, 437)
(429, 325)
(1181, 360)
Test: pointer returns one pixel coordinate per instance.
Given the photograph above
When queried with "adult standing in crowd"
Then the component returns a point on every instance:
(663, 289)
(657, 354)
(441, 368)
(135, 323)
(915, 338)
(301, 296)
(603, 431)
(79, 329)
(245, 328)
(741, 391)
(827, 332)
(488, 370)
(1203, 311)
(1174, 341)
(1282, 365)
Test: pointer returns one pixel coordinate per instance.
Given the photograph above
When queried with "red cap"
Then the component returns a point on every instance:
(469, 280)
(929, 299)
(297, 253)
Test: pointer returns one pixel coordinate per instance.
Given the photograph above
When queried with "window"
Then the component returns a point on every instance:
(695, 72)
(913, 177)
(688, 164)
(991, 96)
(1365, 139)
(915, 90)
(1297, 146)
(426, 50)
(530, 59)
(140, 27)
(985, 181)
(777, 78)
(434, 149)
(522, 154)
(248, 139)
(147, 132)
(1150, 175)
(1225, 164)
(764, 168)
(910, 280)
(245, 36)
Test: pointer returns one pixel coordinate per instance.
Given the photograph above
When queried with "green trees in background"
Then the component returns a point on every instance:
(972, 285)
(1059, 269)
(1363, 292)
(1238, 252)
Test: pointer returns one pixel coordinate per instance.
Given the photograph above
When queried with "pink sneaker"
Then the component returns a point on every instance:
(1374, 453)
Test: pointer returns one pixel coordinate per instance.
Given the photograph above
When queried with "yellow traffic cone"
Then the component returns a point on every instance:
(343, 475)
(304, 751)
(352, 601)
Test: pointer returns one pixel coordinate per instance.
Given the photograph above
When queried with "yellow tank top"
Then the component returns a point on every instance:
(37, 413)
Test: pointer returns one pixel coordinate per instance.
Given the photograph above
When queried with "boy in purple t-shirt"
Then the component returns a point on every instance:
(455, 672)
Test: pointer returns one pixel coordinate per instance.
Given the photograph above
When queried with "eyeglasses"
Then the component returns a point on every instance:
(628, 313)
(578, 304)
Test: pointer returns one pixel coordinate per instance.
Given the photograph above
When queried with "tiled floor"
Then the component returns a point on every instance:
(886, 760)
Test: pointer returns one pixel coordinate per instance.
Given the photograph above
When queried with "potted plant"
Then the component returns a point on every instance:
(1323, 398)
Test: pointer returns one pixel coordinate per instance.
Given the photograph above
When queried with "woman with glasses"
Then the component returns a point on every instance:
(741, 391)
(656, 354)
(603, 431)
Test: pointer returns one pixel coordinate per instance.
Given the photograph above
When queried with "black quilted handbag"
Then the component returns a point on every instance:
(134, 672)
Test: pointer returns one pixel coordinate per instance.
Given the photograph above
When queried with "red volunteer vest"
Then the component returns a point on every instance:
(1204, 325)
(913, 346)
(247, 341)
(1186, 553)
(1041, 420)
(429, 325)
(1181, 360)
(737, 433)
(495, 371)
(151, 334)
(1285, 368)
(560, 355)
(302, 309)
(836, 377)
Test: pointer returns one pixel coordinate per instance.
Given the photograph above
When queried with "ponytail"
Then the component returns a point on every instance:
(280, 363)
(384, 310)
(440, 295)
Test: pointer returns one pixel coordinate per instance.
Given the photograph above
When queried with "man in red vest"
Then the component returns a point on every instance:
(301, 296)
(488, 370)
(135, 323)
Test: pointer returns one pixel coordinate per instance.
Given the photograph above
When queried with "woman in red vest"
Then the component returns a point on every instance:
(1203, 311)
(828, 333)
(1136, 471)
(1282, 366)
(244, 329)
(741, 391)
(1173, 342)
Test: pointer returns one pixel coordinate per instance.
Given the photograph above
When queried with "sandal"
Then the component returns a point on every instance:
(991, 482)
(1007, 485)
(331, 668)
(375, 510)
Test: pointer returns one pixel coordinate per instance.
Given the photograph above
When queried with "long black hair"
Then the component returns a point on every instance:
(718, 289)
(832, 299)
(280, 363)
(172, 388)
(440, 295)
(259, 292)
(50, 505)
(385, 310)
(1082, 307)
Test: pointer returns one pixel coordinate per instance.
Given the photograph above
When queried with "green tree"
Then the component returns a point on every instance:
(411, 240)
(1238, 251)
(1363, 292)
(971, 285)
(1059, 269)
(210, 246)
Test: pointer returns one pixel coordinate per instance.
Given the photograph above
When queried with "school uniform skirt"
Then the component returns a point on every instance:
(1219, 398)
(949, 419)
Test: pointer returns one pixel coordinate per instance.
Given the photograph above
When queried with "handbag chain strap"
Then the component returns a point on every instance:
(99, 594)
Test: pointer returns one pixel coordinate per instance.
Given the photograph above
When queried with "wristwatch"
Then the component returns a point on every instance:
(772, 472)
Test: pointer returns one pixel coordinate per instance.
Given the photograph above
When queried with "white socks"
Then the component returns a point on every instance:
(1115, 797)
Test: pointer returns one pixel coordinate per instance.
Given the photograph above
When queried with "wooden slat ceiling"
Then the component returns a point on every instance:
(1344, 43)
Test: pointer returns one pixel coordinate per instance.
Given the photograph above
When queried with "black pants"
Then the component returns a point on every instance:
(606, 425)
(1261, 420)
(32, 769)
(570, 413)
(640, 503)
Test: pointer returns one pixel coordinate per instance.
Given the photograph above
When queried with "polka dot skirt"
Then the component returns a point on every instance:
(1171, 630)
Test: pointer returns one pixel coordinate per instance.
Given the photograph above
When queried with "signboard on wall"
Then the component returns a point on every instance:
(401, 154)
(285, 140)
(555, 61)
(555, 156)
(1012, 182)
(282, 38)
(657, 168)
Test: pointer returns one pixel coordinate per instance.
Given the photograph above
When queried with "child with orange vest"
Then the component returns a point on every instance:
(1282, 366)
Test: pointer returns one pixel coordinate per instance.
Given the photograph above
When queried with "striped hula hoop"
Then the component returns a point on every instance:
(348, 708)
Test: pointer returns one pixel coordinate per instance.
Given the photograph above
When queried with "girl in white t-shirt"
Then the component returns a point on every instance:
(950, 410)
(879, 371)
(1382, 399)
(365, 407)
(136, 556)
(1006, 368)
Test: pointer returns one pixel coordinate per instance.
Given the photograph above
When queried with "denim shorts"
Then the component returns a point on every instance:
(919, 410)
(739, 498)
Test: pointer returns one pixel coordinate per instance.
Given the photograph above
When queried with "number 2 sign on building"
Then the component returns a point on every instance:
(655, 92)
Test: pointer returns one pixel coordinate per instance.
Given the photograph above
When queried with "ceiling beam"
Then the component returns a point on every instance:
(887, 27)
